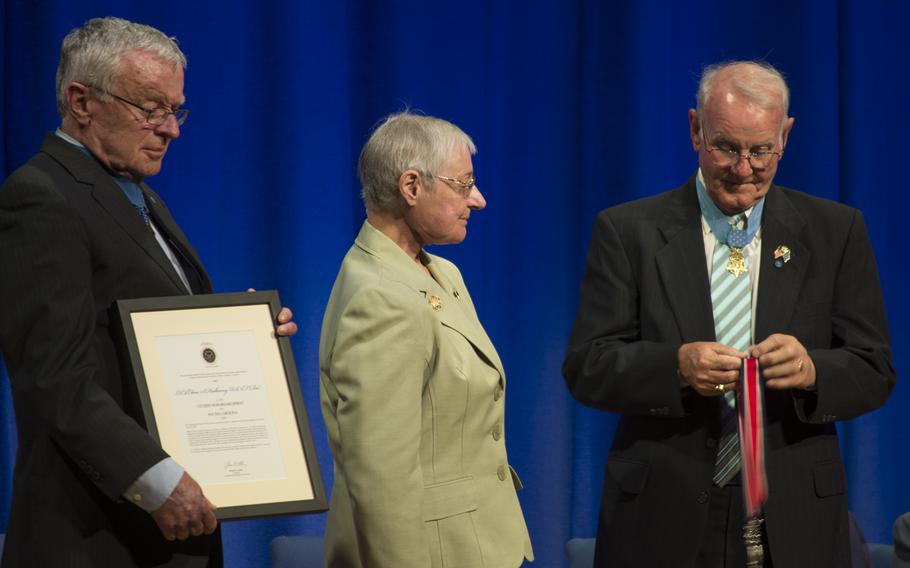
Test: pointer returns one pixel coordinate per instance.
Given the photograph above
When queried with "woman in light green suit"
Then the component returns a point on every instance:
(412, 390)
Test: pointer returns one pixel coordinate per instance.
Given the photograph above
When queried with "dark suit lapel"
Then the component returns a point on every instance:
(110, 197)
(779, 287)
(174, 236)
(682, 266)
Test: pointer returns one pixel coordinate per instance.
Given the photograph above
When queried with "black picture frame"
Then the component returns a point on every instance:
(180, 316)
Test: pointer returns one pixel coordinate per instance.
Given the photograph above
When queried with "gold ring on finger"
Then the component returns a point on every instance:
(720, 387)
(799, 365)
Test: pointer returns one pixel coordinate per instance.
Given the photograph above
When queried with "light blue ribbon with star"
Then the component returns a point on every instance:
(721, 224)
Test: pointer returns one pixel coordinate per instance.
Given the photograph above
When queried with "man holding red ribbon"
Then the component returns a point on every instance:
(730, 322)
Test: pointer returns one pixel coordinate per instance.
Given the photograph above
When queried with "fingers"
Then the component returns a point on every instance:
(182, 532)
(287, 330)
(167, 530)
(286, 327)
(785, 362)
(209, 521)
(206, 521)
(708, 367)
(186, 512)
(729, 352)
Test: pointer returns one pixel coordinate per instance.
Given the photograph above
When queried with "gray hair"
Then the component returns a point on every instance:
(402, 142)
(758, 81)
(93, 53)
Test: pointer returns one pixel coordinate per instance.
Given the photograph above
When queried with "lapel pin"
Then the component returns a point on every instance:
(781, 256)
(435, 302)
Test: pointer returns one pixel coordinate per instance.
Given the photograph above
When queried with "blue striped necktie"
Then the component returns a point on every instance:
(731, 297)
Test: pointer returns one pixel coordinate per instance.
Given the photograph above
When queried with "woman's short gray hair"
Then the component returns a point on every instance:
(402, 142)
(758, 81)
(92, 54)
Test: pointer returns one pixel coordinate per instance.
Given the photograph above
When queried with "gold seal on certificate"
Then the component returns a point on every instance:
(219, 390)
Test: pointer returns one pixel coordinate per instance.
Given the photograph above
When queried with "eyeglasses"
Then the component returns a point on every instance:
(153, 117)
(728, 157)
(463, 187)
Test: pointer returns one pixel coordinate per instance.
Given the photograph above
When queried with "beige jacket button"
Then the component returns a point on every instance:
(497, 431)
(501, 472)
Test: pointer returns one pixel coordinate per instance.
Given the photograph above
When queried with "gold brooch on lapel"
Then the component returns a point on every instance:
(435, 302)
(781, 256)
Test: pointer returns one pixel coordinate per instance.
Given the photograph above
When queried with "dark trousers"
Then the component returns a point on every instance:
(722, 545)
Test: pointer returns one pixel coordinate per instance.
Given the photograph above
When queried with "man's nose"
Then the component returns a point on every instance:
(169, 127)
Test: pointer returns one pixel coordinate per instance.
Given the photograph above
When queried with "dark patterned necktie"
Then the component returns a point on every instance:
(144, 213)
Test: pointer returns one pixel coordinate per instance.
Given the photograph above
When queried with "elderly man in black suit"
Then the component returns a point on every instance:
(679, 288)
(79, 229)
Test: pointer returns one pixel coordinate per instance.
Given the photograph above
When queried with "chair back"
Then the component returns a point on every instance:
(296, 552)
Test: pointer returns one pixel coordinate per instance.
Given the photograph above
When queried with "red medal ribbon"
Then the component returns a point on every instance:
(751, 405)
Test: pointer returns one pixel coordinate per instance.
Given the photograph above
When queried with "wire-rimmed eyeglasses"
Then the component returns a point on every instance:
(728, 157)
(153, 117)
(462, 186)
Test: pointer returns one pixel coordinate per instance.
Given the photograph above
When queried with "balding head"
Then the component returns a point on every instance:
(757, 82)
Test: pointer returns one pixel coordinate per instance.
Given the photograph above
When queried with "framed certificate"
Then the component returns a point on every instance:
(220, 393)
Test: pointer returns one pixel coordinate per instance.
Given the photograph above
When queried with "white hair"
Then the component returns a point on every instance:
(93, 53)
(402, 142)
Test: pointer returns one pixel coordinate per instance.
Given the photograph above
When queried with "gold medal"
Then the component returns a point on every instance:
(435, 302)
(736, 265)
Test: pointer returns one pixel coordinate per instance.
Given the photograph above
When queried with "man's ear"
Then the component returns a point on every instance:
(409, 185)
(785, 132)
(77, 101)
(694, 129)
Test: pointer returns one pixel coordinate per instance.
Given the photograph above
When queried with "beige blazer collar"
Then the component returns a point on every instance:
(455, 309)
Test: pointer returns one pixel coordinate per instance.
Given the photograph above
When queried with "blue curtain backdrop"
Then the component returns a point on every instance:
(574, 105)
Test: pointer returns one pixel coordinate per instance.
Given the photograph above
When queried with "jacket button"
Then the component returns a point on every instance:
(702, 497)
(711, 443)
(497, 431)
(497, 393)
(501, 472)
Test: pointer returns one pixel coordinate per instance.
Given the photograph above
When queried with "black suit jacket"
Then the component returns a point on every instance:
(645, 292)
(70, 245)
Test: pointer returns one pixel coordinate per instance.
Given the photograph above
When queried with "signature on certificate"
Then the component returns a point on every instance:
(236, 467)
